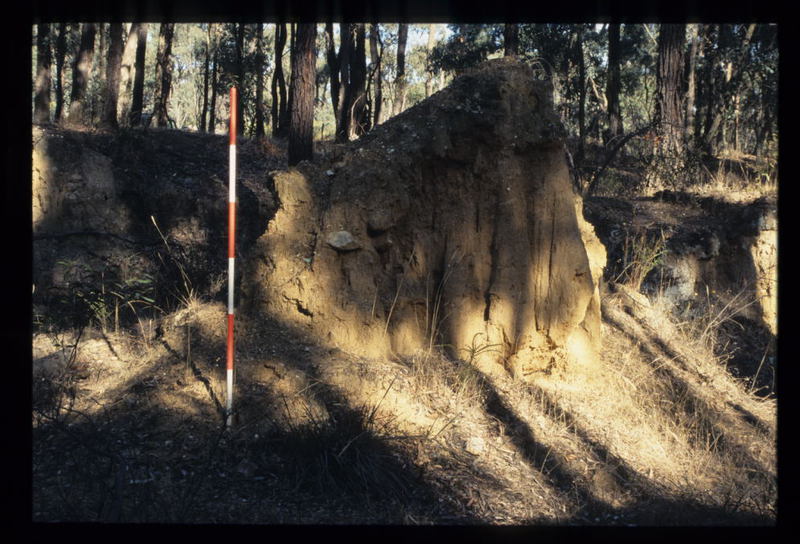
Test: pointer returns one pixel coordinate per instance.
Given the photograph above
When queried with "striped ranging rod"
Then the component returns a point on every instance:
(231, 253)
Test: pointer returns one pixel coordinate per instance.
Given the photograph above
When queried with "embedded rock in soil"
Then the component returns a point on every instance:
(470, 234)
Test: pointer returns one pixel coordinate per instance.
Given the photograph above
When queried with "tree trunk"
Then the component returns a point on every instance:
(101, 51)
(240, 77)
(81, 71)
(344, 122)
(761, 133)
(691, 86)
(125, 73)
(61, 52)
(511, 40)
(137, 99)
(111, 94)
(736, 114)
(615, 128)
(212, 107)
(279, 123)
(669, 89)
(578, 49)
(726, 93)
(400, 82)
(377, 82)
(358, 80)
(429, 72)
(292, 40)
(206, 81)
(301, 129)
(333, 68)
(163, 74)
(705, 92)
(259, 130)
(41, 107)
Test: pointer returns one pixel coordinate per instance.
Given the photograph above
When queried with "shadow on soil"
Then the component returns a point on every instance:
(650, 505)
(138, 460)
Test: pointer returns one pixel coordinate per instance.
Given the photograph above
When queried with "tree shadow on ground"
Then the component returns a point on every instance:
(139, 460)
(650, 505)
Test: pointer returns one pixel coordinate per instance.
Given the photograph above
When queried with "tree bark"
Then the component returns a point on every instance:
(301, 129)
(429, 72)
(212, 107)
(137, 99)
(358, 80)
(61, 52)
(81, 71)
(376, 80)
(344, 122)
(206, 81)
(111, 94)
(240, 77)
(727, 92)
(669, 88)
(578, 51)
(762, 131)
(615, 127)
(259, 130)
(125, 73)
(691, 86)
(400, 83)
(101, 50)
(511, 40)
(292, 40)
(41, 107)
(279, 122)
(704, 93)
(163, 74)
(333, 68)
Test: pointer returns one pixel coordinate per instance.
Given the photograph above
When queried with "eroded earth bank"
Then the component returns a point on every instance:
(432, 328)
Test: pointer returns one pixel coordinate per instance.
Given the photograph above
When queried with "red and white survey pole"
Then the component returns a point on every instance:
(231, 254)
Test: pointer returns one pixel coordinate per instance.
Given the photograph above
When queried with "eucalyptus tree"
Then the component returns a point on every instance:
(163, 74)
(278, 87)
(511, 40)
(137, 97)
(81, 71)
(259, 75)
(375, 79)
(112, 80)
(400, 80)
(61, 51)
(301, 129)
(41, 107)
(615, 127)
